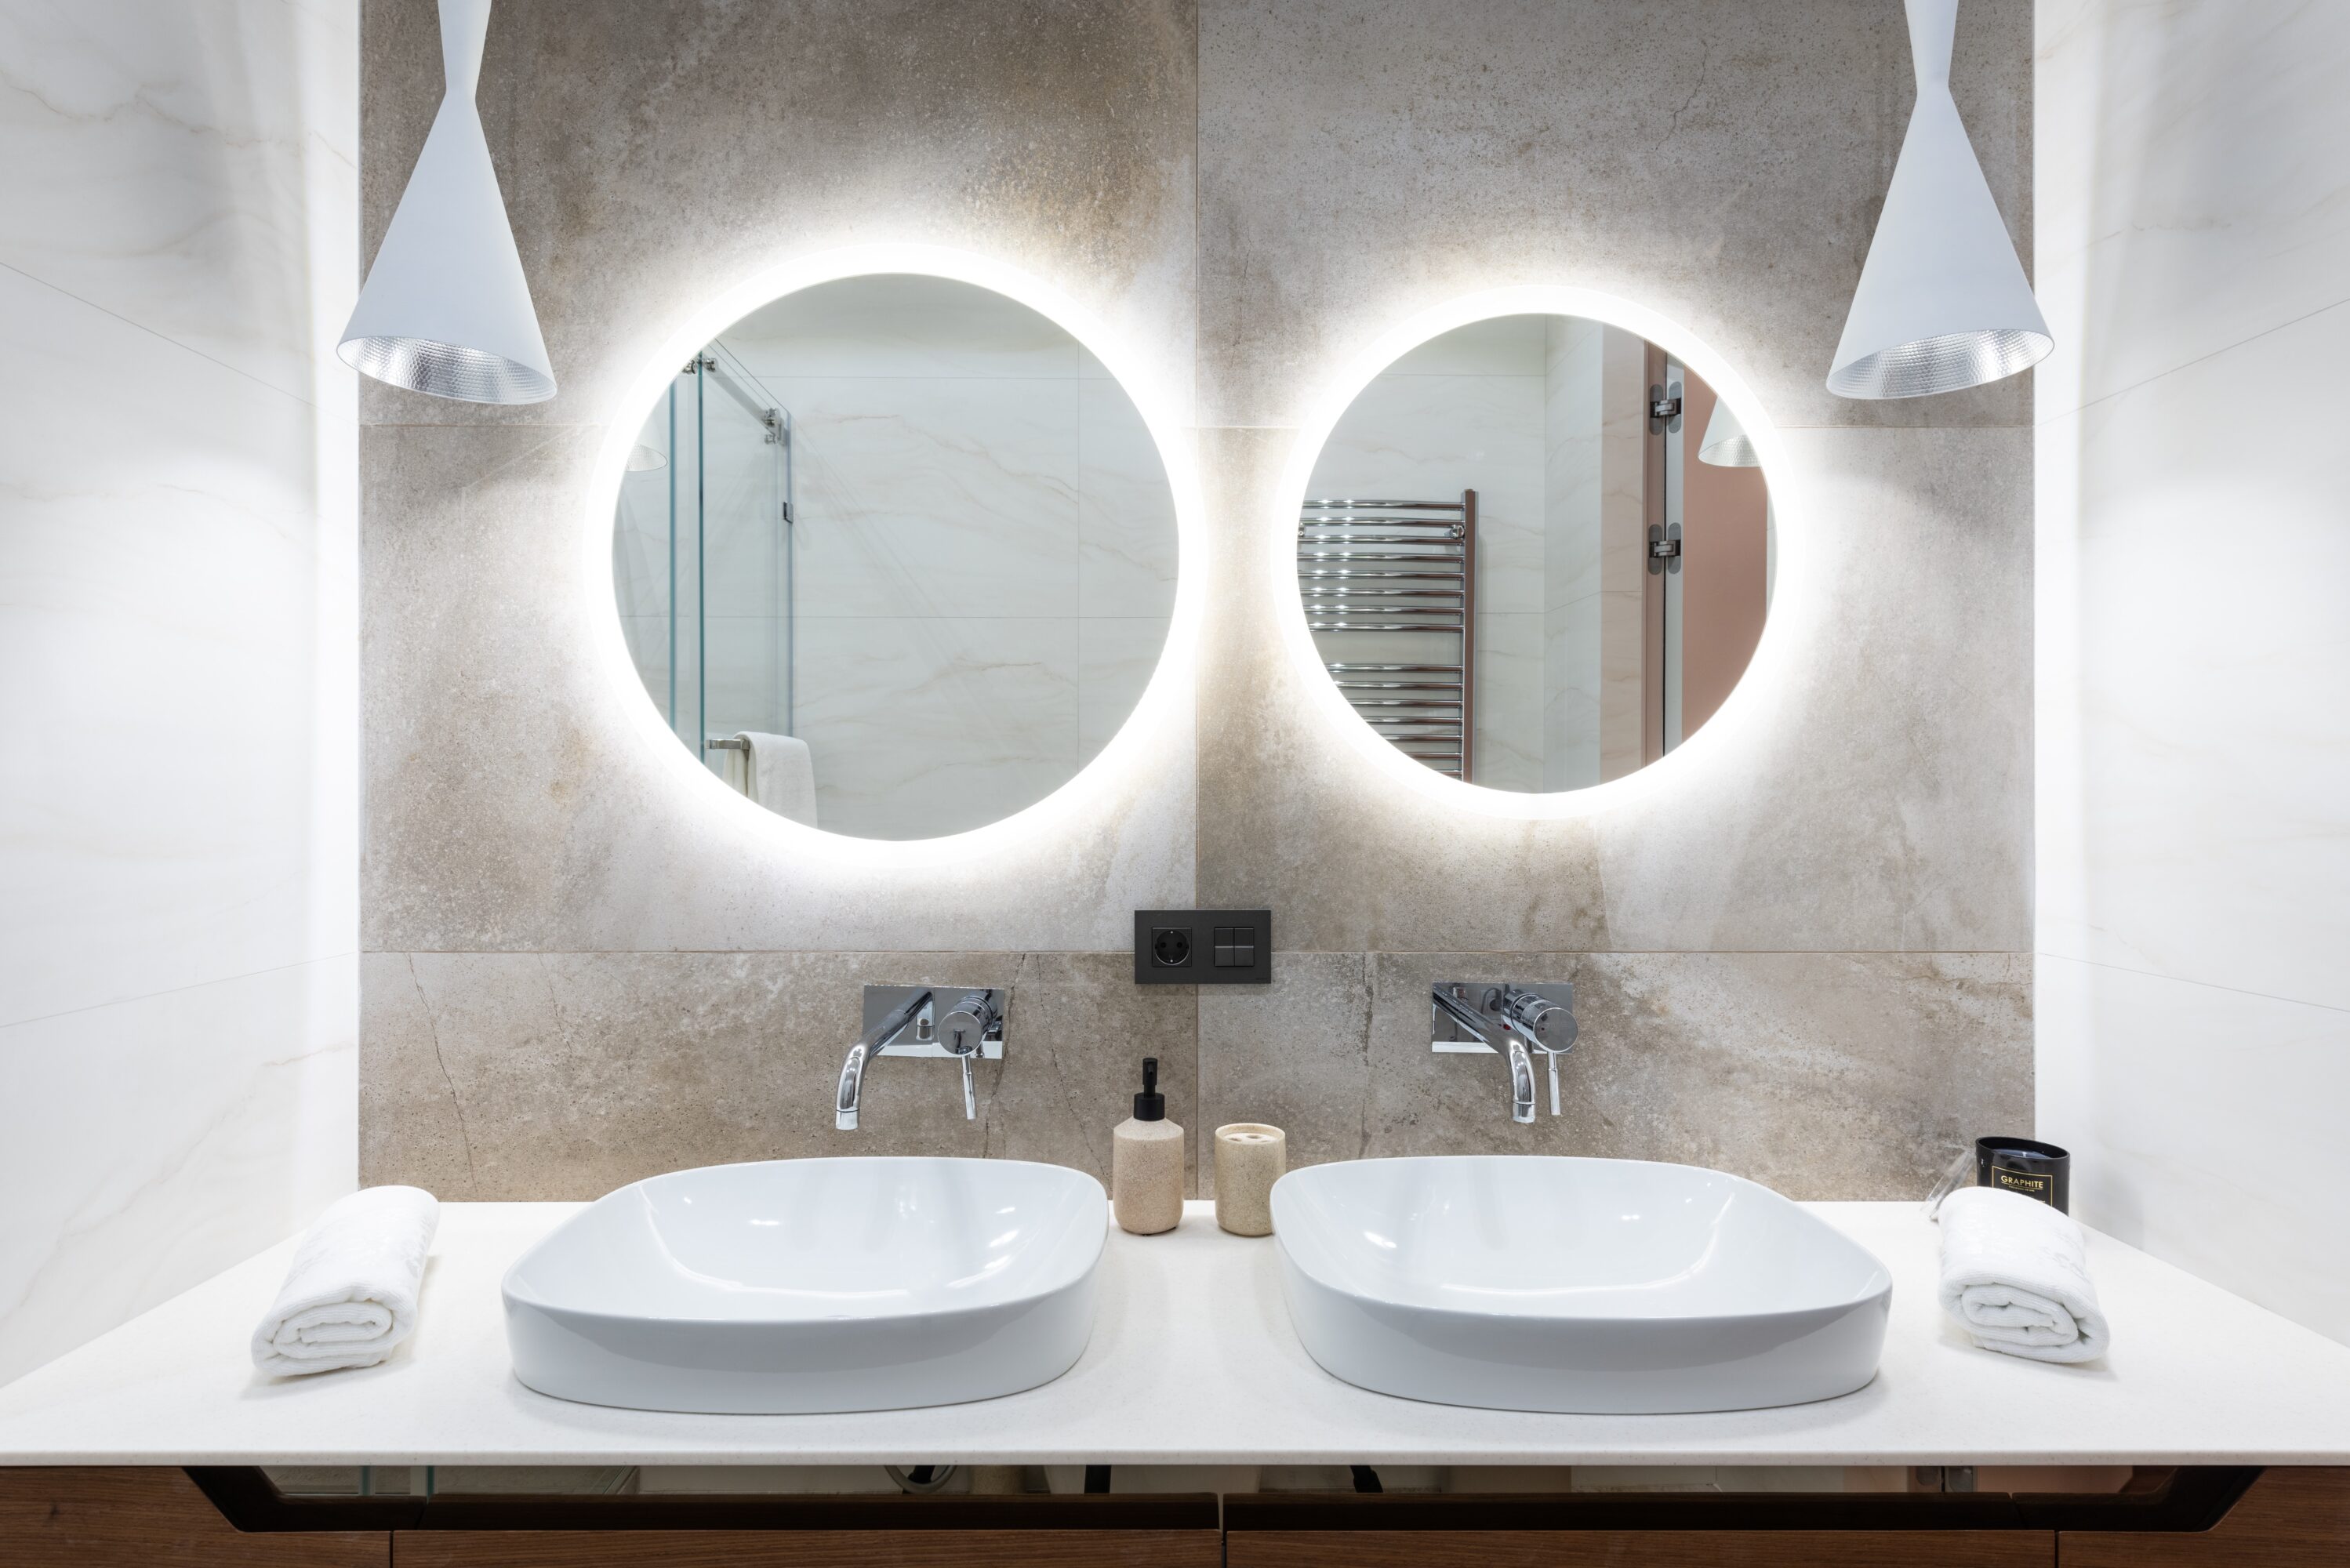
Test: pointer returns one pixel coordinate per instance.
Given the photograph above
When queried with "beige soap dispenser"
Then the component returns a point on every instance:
(1146, 1162)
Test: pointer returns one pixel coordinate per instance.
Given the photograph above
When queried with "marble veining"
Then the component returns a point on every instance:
(178, 661)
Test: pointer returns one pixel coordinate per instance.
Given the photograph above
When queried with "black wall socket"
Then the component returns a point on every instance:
(1204, 947)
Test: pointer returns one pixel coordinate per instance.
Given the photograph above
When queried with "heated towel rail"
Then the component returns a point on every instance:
(1385, 569)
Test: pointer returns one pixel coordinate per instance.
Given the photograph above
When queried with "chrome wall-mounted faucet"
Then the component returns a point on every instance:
(908, 1021)
(1465, 1017)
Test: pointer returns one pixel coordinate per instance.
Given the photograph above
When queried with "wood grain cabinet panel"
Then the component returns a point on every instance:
(151, 1518)
(2290, 1517)
(1639, 1548)
(809, 1549)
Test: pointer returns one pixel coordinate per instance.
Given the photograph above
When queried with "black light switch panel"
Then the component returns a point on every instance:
(1204, 947)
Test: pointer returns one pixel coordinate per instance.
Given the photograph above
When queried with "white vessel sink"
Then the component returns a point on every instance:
(1606, 1287)
(810, 1285)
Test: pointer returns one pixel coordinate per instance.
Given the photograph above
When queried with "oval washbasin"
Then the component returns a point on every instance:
(1600, 1286)
(810, 1285)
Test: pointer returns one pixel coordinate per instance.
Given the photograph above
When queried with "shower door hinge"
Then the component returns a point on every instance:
(1664, 548)
(1664, 408)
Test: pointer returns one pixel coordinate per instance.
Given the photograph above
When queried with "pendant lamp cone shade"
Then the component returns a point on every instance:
(1726, 445)
(446, 309)
(1943, 303)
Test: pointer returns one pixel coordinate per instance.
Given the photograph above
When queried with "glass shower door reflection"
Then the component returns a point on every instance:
(701, 561)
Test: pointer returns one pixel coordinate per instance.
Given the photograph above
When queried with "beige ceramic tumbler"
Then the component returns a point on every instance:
(1250, 1158)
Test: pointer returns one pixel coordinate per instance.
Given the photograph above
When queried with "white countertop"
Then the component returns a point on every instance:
(1193, 1361)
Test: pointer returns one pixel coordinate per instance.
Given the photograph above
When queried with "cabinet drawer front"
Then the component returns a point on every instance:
(1640, 1549)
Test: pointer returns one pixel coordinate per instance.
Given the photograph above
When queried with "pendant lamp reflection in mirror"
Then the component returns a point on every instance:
(1725, 444)
(1943, 303)
(446, 309)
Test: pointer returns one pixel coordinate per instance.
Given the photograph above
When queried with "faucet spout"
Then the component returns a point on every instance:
(861, 1055)
(1522, 1065)
(1521, 1082)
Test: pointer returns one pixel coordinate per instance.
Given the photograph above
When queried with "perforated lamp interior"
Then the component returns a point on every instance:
(1943, 303)
(446, 309)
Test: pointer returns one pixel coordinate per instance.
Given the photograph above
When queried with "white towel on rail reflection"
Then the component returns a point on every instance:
(781, 773)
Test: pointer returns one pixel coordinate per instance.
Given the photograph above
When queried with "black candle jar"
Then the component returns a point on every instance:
(2023, 1165)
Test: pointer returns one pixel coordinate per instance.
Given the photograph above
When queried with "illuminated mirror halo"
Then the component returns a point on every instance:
(1769, 672)
(1124, 765)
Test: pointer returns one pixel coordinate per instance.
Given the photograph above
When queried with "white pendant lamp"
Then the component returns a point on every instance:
(1943, 303)
(446, 309)
(1726, 445)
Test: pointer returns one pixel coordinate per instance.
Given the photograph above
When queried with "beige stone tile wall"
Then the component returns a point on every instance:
(1806, 961)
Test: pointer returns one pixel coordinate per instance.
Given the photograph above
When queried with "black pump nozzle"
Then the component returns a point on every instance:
(1151, 1105)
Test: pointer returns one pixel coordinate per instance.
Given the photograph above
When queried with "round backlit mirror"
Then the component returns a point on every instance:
(1535, 553)
(894, 556)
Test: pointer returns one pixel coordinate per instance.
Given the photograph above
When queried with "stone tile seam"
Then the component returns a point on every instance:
(1299, 952)
(2079, 409)
(204, 984)
(2191, 980)
(160, 336)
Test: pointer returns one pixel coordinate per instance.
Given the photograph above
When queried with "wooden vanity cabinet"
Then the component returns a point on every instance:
(152, 1517)
(1647, 1548)
(2289, 1518)
(2297, 1517)
(165, 1517)
(1667, 1531)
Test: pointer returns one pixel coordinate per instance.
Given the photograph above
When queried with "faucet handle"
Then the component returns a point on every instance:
(1550, 1026)
(964, 1030)
(969, 1023)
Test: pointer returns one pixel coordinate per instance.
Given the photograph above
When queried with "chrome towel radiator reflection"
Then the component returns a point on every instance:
(1388, 567)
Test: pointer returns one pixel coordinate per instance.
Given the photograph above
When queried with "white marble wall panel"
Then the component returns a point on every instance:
(160, 650)
(2195, 787)
(2205, 1125)
(1510, 701)
(150, 1143)
(939, 494)
(165, 162)
(178, 647)
(2193, 822)
(2191, 190)
(923, 725)
(1127, 543)
(1116, 655)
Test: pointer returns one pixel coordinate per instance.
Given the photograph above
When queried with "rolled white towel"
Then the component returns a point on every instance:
(351, 1295)
(2015, 1273)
